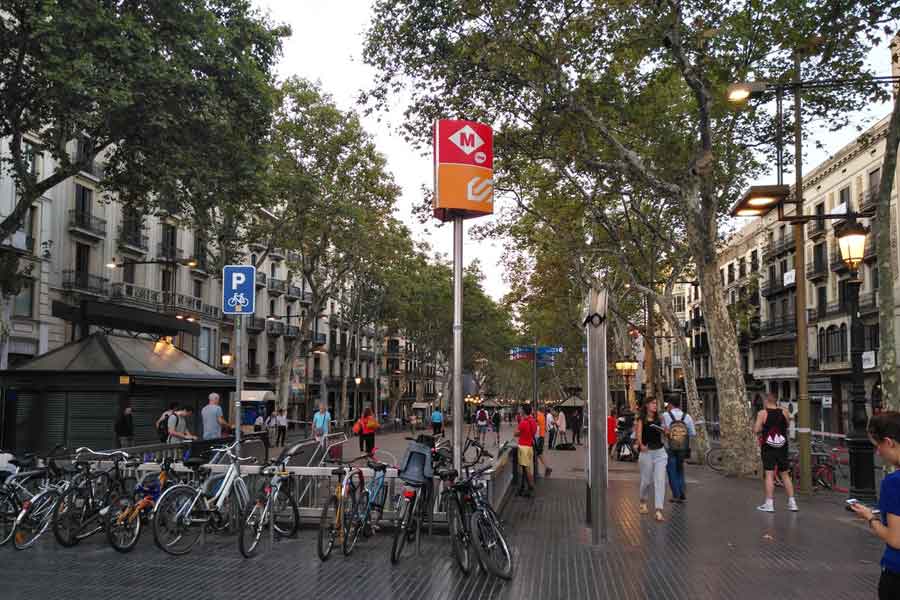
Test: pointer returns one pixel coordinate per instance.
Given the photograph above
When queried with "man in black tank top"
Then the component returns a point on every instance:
(772, 424)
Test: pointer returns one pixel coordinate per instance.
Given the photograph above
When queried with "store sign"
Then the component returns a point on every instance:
(463, 169)
(789, 277)
(868, 359)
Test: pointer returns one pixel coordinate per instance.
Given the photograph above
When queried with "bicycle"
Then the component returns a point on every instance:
(77, 515)
(717, 458)
(372, 500)
(126, 515)
(333, 522)
(21, 484)
(37, 512)
(184, 512)
(275, 506)
(472, 520)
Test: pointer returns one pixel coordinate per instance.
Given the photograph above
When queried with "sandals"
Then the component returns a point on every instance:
(659, 516)
(643, 508)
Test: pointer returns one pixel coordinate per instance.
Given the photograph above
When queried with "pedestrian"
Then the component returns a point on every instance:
(177, 425)
(212, 419)
(561, 427)
(481, 423)
(365, 428)
(576, 427)
(282, 421)
(272, 427)
(653, 457)
(258, 423)
(679, 428)
(162, 423)
(772, 427)
(437, 421)
(611, 435)
(321, 423)
(539, 440)
(125, 428)
(526, 431)
(497, 420)
(884, 432)
(551, 430)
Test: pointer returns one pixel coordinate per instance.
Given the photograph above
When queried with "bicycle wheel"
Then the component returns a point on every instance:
(123, 523)
(285, 513)
(34, 519)
(490, 545)
(459, 538)
(716, 459)
(253, 522)
(70, 516)
(356, 522)
(402, 532)
(176, 527)
(9, 510)
(328, 531)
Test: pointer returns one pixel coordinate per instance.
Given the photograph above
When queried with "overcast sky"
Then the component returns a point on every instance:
(327, 46)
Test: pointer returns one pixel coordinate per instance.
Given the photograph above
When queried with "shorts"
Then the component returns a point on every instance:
(773, 458)
(482, 429)
(526, 458)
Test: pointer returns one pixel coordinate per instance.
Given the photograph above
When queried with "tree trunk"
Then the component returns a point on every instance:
(890, 393)
(284, 376)
(6, 303)
(734, 419)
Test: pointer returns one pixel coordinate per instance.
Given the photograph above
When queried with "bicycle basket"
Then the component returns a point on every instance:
(416, 467)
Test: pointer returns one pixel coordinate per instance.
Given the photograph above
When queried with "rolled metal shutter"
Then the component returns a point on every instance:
(145, 409)
(56, 420)
(92, 418)
(25, 403)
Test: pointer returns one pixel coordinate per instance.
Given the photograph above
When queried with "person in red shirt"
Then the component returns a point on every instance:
(611, 436)
(526, 431)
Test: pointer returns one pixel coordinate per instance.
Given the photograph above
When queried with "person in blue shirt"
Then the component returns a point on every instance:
(321, 422)
(884, 431)
(437, 421)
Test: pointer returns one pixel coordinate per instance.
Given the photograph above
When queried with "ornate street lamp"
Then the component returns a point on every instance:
(627, 368)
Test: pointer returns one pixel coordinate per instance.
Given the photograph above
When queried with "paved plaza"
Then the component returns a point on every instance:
(716, 546)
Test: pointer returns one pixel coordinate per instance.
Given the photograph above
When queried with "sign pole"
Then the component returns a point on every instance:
(457, 342)
(239, 366)
(534, 378)
(597, 384)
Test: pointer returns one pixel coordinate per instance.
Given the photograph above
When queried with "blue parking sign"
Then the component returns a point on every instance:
(238, 290)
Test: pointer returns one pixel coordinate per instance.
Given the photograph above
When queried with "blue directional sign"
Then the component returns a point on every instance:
(550, 349)
(238, 290)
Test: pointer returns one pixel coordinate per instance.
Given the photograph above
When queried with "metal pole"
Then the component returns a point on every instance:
(534, 377)
(598, 476)
(239, 367)
(457, 342)
(862, 459)
(803, 416)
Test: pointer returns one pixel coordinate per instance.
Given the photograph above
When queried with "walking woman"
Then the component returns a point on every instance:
(884, 431)
(365, 428)
(653, 459)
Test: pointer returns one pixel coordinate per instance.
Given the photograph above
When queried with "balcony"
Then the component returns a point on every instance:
(773, 286)
(835, 309)
(869, 204)
(81, 281)
(202, 258)
(273, 371)
(317, 376)
(261, 279)
(277, 254)
(292, 292)
(815, 229)
(132, 239)
(169, 251)
(255, 324)
(20, 241)
(94, 168)
(700, 349)
(871, 251)
(253, 370)
(83, 222)
(366, 355)
(778, 325)
(210, 311)
(868, 302)
(128, 293)
(778, 247)
(274, 328)
(306, 298)
(817, 268)
(837, 263)
(780, 361)
(813, 314)
(277, 286)
(319, 339)
(291, 332)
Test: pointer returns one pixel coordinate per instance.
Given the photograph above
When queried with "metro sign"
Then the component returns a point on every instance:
(463, 169)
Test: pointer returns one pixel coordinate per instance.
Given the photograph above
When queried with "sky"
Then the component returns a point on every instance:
(326, 46)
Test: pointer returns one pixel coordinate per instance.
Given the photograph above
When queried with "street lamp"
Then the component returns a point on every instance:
(627, 368)
(226, 360)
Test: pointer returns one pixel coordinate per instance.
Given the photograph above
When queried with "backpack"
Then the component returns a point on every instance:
(162, 430)
(679, 435)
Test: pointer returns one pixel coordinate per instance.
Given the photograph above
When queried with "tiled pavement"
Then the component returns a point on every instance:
(716, 546)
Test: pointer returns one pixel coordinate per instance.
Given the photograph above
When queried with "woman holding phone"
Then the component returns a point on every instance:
(653, 458)
(884, 431)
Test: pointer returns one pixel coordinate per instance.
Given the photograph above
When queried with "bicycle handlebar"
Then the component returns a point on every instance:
(120, 453)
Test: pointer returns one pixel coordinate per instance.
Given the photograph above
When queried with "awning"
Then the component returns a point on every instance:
(424, 405)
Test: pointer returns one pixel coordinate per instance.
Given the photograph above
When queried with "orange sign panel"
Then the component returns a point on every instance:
(463, 169)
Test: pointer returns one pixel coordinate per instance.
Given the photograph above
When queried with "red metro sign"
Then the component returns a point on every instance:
(463, 169)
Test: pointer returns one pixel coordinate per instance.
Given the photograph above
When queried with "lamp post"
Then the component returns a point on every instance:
(627, 368)
(852, 241)
(357, 381)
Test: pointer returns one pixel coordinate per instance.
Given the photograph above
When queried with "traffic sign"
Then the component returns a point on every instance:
(550, 349)
(463, 169)
(238, 290)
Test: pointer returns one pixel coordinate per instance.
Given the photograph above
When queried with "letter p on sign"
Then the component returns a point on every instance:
(237, 279)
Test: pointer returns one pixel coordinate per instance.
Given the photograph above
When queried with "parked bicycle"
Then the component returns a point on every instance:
(78, 513)
(369, 507)
(23, 480)
(335, 516)
(185, 511)
(127, 514)
(275, 505)
(36, 512)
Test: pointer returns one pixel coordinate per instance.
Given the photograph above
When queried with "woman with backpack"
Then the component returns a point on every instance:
(771, 426)
(653, 459)
(365, 428)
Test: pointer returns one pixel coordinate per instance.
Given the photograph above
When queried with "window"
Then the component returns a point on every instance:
(742, 267)
(169, 240)
(287, 312)
(820, 209)
(871, 337)
(784, 266)
(754, 261)
(875, 277)
(821, 345)
(82, 258)
(773, 311)
(253, 259)
(198, 288)
(273, 269)
(821, 300)
(819, 256)
(167, 280)
(844, 197)
(733, 296)
(83, 197)
(128, 272)
(204, 345)
(731, 273)
(271, 307)
(679, 304)
(722, 275)
(773, 274)
(843, 342)
(24, 302)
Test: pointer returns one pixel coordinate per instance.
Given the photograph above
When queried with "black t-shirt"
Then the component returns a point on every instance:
(651, 436)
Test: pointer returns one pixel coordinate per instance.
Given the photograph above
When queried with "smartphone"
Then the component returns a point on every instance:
(850, 502)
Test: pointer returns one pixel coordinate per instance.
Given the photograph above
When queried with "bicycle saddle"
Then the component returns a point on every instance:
(447, 474)
(377, 466)
(194, 462)
(338, 471)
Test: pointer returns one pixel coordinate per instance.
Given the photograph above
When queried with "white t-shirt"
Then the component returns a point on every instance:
(561, 421)
(259, 421)
(551, 422)
(281, 420)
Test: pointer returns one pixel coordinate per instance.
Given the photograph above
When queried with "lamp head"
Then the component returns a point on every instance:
(739, 93)
(852, 241)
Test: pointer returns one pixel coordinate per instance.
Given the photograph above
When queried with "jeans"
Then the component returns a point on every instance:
(551, 441)
(889, 586)
(675, 469)
(653, 473)
(282, 432)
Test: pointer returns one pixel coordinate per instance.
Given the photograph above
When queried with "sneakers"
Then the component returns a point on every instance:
(547, 471)
(768, 506)
(792, 504)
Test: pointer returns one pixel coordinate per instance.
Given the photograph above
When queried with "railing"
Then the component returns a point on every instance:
(273, 371)
(778, 325)
(781, 246)
(834, 309)
(85, 221)
(134, 239)
(775, 362)
(211, 311)
(169, 251)
(837, 263)
(185, 301)
(135, 293)
(817, 268)
(318, 338)
(814, 228)
(291, 331)
(277, 253)
(700, 349)
(256, 324)
(772, 286)
(274, 327)
(20, 241)
(871, 249)
(253, 370)
(277, 286)
(261, 279)
(293, 291)
(366, 355)
(868, 302)
(85, 282)
(870, 200)
(202, 260)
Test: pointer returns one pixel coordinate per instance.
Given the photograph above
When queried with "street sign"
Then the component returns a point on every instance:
(463, 169)
(550, 349)
(238, 290)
